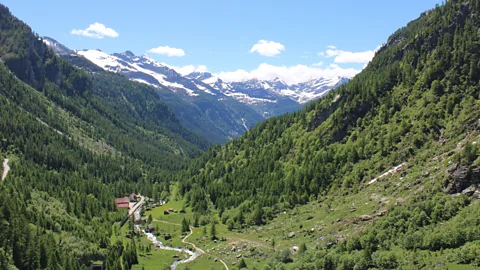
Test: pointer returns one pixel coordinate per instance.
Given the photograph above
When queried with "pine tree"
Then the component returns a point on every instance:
(302, 249)
(195, 220)
(185, 225)
(149, 219)
(213, 232)
(242, 264)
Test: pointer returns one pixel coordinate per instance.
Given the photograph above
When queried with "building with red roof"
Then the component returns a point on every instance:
(122, 202)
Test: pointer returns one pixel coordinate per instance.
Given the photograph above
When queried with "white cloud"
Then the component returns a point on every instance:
(96, 30)
(267, 48)
(319, 64)
(348, 57)
(235, 76)
(168, 51)
(185, 70)
(290, 74)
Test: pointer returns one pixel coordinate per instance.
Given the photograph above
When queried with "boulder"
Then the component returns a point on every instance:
(399, 201)
(461, 177)
(381, 213)
(291, 234)
(365, 217)
(469, 191)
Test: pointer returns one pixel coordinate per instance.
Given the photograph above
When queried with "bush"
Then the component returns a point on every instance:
(385, 259)
(284, 256)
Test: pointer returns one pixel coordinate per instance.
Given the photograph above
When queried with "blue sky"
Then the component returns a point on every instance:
(292, 37)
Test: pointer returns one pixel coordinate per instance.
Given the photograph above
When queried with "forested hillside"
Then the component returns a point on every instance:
(74, 143)
(415, 100)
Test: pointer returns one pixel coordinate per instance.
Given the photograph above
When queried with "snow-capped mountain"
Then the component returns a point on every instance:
(143, 69)
(146, 70)
(57, 47)
(264, 98)
(255, 90)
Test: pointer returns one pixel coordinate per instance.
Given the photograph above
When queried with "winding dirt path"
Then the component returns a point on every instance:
(184, 240)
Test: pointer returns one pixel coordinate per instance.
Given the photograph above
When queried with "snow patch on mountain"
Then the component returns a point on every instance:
(57, 47)
(265, 96)
(131, 65)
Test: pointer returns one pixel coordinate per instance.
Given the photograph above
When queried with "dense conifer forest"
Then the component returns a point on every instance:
(420, 91)
(74, 143)
(76, 140)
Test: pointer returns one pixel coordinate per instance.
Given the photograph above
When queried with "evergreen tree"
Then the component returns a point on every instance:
(213, 232)
(242, 264)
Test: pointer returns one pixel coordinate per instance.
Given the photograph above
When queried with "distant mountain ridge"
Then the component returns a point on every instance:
(267, 97)
(269, 90)
(216, 119)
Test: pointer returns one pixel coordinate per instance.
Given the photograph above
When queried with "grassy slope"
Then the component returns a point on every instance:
(335, 217)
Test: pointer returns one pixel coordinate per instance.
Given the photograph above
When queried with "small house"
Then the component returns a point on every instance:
(133, 197)
(122, 202)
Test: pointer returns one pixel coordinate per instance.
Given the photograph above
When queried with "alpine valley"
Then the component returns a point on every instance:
(104, 165)
(226, 110)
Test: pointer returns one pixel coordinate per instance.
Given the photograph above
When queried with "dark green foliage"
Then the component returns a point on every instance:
(185, 225)
(302, 249)
(242, 264)
(419, 88)
(469, 154)
(76, 142)
(149, 219)
(213, 232)
(195, 220)
(284, 256)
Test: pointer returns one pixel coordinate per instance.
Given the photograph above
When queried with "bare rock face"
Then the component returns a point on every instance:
(469, 191)
(461, 177)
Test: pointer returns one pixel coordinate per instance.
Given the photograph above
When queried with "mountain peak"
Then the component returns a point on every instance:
(146, 70)
(199, 75)
(57, 47)
(129, 53)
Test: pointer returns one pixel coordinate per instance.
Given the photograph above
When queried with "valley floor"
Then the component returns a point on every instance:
(318, 225)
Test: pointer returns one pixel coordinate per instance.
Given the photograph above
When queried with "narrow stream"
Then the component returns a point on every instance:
(193, 255)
